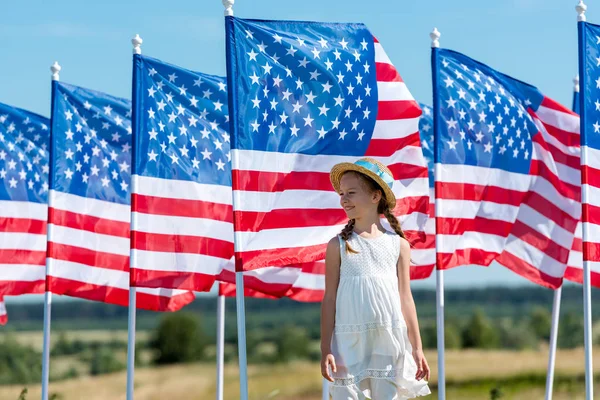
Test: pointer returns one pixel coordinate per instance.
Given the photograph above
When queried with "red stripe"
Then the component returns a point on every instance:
(565, 189)
(16, 288)
(556, 154)
(576, 275)
(528, 271)
(529, 235)
(19, 256)
(421, 271)
(88, 257)
(181, 208)
(253, 221)
(117, 296)
(88, 223)
(548, 102)
(169, 279)
(277, 290)
(591, 251)
(387, 147)
(590, 176)
(460, 257)
(182, 244)
(565, 137)
(279, 257)
(23, 225)
(306, 295)
(471, 192)
(385, 72)
(397, 109)
(458, 226)
(577, 244)
(551, 211)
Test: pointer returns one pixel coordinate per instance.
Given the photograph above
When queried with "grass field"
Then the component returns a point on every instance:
(470, 375)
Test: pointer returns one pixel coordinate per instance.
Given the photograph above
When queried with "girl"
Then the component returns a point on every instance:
(370, 337)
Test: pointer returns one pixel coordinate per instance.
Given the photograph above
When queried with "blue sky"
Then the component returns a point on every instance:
(532, 40)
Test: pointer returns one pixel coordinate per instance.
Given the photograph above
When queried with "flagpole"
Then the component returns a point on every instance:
(220, 344)
(239, 274)
(325, 393)
(55, 68)
(587, 291)
(553, 337)
(439, 283)
(137, 43)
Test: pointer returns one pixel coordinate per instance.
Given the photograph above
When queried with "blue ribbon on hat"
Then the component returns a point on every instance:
(387, 178)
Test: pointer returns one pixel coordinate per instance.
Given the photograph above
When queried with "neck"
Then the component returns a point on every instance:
(370, 225)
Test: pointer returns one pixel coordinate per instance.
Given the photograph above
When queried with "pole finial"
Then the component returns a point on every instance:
(576, 84)
(137, 44)
(435, 38)
(228, 4)
(581, 9)
(55, 68)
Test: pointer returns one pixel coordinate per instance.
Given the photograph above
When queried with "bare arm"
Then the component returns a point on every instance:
(409, 310)
(332, 278)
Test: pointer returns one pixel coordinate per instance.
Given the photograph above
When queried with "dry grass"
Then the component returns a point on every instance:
(301, 381)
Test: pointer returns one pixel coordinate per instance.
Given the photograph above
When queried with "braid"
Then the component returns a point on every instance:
(394, 223)
(345, 234)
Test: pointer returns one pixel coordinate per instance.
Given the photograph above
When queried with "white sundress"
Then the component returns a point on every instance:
(370, 341)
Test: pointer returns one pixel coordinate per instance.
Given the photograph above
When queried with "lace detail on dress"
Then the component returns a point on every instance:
(374, 257)
(369, 373)
(371, 326)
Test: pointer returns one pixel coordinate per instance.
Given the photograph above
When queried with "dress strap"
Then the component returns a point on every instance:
(342, 247)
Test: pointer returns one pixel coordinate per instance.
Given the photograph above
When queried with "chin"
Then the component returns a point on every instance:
(350, 214)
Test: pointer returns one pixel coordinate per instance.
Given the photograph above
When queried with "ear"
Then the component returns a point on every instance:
(376, 197)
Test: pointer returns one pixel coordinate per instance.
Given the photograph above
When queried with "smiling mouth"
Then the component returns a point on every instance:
(348, 208)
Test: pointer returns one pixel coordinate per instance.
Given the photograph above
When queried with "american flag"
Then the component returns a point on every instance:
(304, 97)
(24, 139)
(590, 163)
(509, 185)
(3, 313)
(89, 201)
(182, 216)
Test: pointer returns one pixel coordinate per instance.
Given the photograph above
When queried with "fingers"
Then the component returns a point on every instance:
(332, 362)
(329, 362)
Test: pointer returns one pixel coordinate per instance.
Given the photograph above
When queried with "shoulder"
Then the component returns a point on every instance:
(334, 243)
(404, 247)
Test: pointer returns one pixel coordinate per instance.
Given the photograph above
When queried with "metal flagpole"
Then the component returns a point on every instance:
(239, 275)
(557, 299)
(439, 286)
(137, 43)
(325, 394)
(553, 337)
(220, 344)
(55, 68)
(587, 292)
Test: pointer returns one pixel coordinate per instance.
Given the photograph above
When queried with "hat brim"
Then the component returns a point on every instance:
(340, 169)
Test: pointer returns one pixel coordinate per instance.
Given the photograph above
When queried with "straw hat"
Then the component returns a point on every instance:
(371, 168)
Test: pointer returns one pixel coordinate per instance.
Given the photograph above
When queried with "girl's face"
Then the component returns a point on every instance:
(355, 197)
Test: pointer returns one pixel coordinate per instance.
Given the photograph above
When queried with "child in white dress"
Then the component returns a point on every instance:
(370, 341)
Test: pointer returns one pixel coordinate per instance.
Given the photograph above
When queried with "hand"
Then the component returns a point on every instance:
(422, 366)
(326, 362)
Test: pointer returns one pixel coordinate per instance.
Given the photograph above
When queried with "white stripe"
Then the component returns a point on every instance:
(177, 262)
(23, 209)
(468, 174)
(162, 292)
(422, 257)
(594, 267)
(534, 257)
(187, 190)
(174, 225)
(545, 189)
(86, 274)
(593, 197)
(594, 232)
(275, 275)
(22, 241)
(93, 207)
(558, 119)
(562, 171)
(395, 128)
(22, 272)
(285, 238)
(470, 240)
(253, 160)
(468, 209)
(393, 91)
(88, 240)
(576, 260)
(590, 157)
(310, 281)
(545, 226)
(313, 199)
(573, 151)
(380, 54)
(2, 308)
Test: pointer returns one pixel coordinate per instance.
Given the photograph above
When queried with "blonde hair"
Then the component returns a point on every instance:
(382, 208)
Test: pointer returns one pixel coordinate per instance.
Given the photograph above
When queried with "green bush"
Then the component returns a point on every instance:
(540, 322)
(479, 332)
(19, 364)
(570, 331)
(178, 338)
(105, 362)
(292, 343)
(517, 336)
